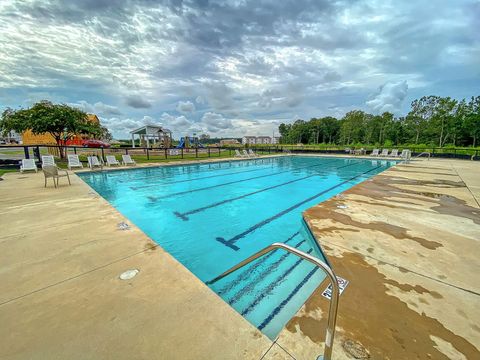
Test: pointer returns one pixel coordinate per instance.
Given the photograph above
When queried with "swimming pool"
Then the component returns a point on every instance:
(211, 216)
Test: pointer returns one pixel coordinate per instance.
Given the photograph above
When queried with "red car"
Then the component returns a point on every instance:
(95, 144)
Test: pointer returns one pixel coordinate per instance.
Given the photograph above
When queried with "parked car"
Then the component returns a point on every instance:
(95, 144)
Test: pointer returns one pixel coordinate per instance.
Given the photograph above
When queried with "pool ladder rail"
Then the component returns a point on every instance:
(333, 307)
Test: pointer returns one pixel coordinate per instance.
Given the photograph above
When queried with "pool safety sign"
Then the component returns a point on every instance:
(342, 284)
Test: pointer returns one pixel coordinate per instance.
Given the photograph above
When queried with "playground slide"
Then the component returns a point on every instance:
(181, 145)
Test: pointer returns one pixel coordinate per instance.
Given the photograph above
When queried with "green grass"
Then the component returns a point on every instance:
(4, 171)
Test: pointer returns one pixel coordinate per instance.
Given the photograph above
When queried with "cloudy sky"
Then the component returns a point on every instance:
(231, 68)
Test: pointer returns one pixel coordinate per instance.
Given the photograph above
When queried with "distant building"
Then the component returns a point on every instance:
(13, 137)
(229, 142)
(250, 140)
(263, 140)
(29, 138)
(260, 140)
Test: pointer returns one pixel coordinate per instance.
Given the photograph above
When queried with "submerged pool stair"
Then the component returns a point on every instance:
(248, 302)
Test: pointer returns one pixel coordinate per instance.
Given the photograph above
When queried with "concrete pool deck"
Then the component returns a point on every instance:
(408, 242)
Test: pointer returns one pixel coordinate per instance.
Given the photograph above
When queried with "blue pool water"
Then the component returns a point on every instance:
(211, 216)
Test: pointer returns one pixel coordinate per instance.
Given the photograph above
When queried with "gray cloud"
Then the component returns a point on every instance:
(185, 107)
(137, 102)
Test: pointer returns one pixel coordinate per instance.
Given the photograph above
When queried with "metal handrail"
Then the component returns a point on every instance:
(424, 153)
(332, 312)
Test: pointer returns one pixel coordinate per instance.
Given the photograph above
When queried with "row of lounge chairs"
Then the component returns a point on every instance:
(394, 153)
(74, 162)
(245, 154)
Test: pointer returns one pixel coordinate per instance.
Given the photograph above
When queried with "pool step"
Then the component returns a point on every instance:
(263, 292)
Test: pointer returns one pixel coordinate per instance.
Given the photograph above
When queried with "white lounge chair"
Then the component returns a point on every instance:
(405, 154)
(174, 152)
(245, 153)
(394, 153)
(94, 162)
(252, 154)
(127, 160)
(238, 154)
(375, 152)
(28, 164)
(384, 152)
(48, 160)
(112, 160)
(74, 162)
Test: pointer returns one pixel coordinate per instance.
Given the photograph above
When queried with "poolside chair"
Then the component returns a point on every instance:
(48, 160)
(28, 164)
(245, 153)
(252, 154)
(394, 153)
(127, 160)
(375, 152)
(173, 152)
(405, 154)
(112, 160)
(238, 154)
(94, 162)
(50, 171)
(384, 152)
(74, 161)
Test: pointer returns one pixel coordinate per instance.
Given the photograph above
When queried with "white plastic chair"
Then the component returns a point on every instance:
(394, 153)
(375, 152)
(74, 161)
(245, 153)
(127, 160)
(238, 154)
(94, 162)
(48, 160)
(384, 152)
(251, 153)
(112, 160)
(28, 164)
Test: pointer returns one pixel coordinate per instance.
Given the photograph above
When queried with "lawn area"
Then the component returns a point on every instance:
(4, 171)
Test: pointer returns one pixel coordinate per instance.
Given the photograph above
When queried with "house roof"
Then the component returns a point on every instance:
(149, 129)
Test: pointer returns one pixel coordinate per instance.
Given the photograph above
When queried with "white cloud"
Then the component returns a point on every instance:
(389, 97)
(215, 122)
(185, 107)
(98, 108)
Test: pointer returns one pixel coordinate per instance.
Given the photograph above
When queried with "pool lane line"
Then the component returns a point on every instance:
(287, 299)
(155, 198)
(271, 287)
(267, 167)
(231, 242)
(196, 169)
(194, 179)
(184, 216)
(251, 284)
(244, 275)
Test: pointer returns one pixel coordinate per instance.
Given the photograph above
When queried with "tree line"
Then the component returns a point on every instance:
(432, 120)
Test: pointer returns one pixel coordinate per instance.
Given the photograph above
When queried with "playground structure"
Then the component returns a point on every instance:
(188, 142)
(152, 135)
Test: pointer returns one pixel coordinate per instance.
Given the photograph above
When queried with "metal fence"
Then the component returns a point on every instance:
(11, 155)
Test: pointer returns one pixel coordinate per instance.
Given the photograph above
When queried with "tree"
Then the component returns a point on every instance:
(59, 120)
(472, 119)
